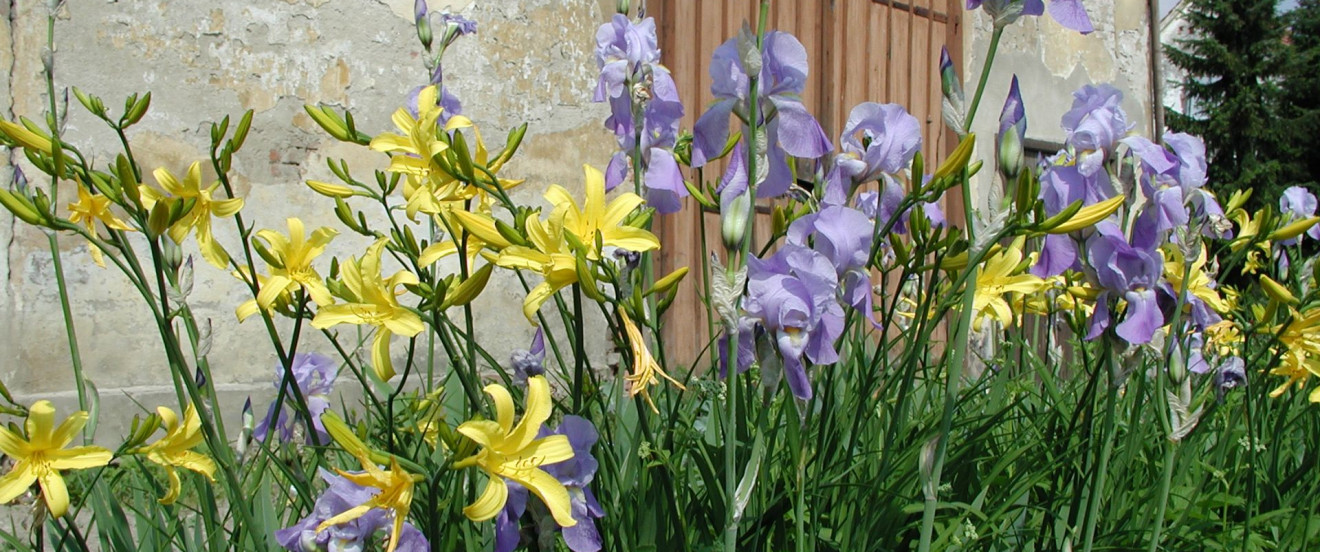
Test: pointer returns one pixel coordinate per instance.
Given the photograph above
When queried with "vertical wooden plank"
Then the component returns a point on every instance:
(877, 60)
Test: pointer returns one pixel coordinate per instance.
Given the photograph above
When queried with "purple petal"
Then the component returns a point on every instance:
(799, 133)
(664, 183)
(711, 132)
(1141, 319)
(1070, 14)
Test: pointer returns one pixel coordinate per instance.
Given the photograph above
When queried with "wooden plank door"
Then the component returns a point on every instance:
(857, 51)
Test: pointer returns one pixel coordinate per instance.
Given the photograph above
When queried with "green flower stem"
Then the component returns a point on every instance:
(75, 356)
(579, 352)
(1107, 448)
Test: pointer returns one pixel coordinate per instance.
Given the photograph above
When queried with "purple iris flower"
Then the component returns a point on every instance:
(790, 129)
(843, 236)
(340, 496)
(878, 140)
(447, 100)
(628, 56)
(456, 24)
(531, 362)
(1129, 270)
(1068, 13)
(1172, 180)
(792, 294)
(1062, 182)
(314, 374)
(1298, 203)
(1094, 125)
(508, 527)
(576, 474)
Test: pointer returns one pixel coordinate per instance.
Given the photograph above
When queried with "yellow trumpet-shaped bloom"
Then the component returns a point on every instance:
(42, 456)
(198, 218)
(395, 484)
(373, 302)
(596, 215)
(514, 453)
(1198, 282)
(549, 255)
(645, 368)
(1300, 358)
(417, 144)
(296, 253)
(89, 209)
(175, 449)
(997, 278)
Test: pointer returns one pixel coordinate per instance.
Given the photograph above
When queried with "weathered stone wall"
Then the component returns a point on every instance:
(1051, 62)
(530, 61)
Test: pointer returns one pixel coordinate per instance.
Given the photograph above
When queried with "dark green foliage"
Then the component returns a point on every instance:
(1302, 81)
(1235, 65)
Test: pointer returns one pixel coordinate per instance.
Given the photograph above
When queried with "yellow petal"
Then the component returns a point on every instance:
(549, 450)
(482, 432)
(552, 493)
(491, 501)
(334, 315)
(55, 493)
(246, 309)
(226, 207)
(176, 486)
(16, 482)
(271, 290)
(79, 458)
(12, 445)
(405, 323)
(380, 355)
(632, 239)
(40, 424)
(503, 402)
(535, 412)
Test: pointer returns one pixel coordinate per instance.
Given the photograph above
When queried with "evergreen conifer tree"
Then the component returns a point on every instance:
(1234, 65)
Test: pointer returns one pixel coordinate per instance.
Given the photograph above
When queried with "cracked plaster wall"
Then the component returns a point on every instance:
(1051, 62)
(530, 61)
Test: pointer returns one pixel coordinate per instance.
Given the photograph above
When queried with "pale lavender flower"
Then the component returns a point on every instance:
(792, 294)
(445, 99)
(1068, 13)
(576, 474)
(508, 524)
(1231, 373)
(530, 362)
(1062, 182)
(314, 374)
(457, 25)
(1298, 203)
(843, 236)
(1129, 270)
(340, 496)
(1172, 181)
(877, 141)
(636, 85)
(789, 128)
(1094, 125)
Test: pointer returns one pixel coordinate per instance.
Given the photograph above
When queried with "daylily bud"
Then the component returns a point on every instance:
(1277, 291)
(662, 285)
(330, 190)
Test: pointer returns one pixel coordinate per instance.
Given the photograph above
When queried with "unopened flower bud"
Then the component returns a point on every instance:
(733, 221)
(423, 23)
(623, 6)
(1011, 154)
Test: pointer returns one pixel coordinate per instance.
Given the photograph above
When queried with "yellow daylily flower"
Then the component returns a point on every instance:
(597, 216)
(174, 450)
(89, 209)
(1301, 352)
(514, 453)
(1198, 282)
(395, 484)
(996, 279)
(417, 144)
(42, 456)
(373, 302)
(645, 368)
(197, 219)
(296, 252)
(549, 255)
